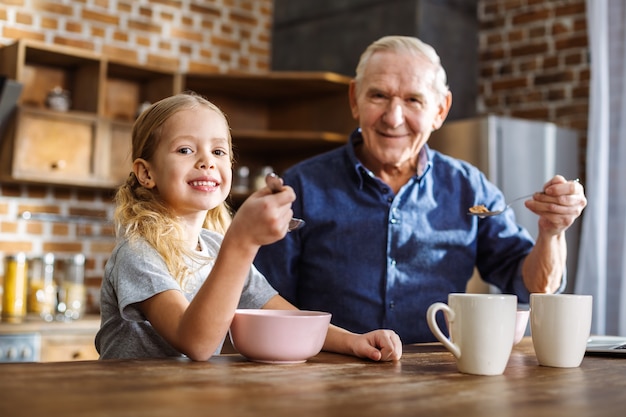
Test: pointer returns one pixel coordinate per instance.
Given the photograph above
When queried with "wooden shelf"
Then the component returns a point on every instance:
(277, 118)
(89, 145)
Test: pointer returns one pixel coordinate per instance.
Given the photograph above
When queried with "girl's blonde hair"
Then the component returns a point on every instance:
(139, 211)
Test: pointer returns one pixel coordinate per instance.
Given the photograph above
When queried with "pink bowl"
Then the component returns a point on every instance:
(279, 336)
(520, 325)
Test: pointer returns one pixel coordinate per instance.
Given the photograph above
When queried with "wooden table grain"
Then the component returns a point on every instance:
(425, 382)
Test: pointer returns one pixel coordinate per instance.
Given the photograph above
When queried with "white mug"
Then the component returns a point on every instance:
(560, 325)
(482, 330)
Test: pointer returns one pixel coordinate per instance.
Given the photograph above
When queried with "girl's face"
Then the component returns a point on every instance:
(191, 168)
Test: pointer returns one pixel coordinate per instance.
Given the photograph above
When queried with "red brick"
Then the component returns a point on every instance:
(577, 41)
(510, 83)
(53, 7)
(532, 114)
(187, 35)
(98, 32)
(106, 18)
(243, 18)
(60, 229)
(61, 193)
(120, 36)
(529, 49)
(15, 247)
(23, 18)
(218, 41)
(570, 9)
(37, 191)
(210, 11)
(8, 227)
(76, 43)
(34, 228)
(555, 77)
(531, 17)
(202, 67)
(147, 12)
(38, 208)
(62, 247)
(143, 27)
(124, 7)
(15, 33)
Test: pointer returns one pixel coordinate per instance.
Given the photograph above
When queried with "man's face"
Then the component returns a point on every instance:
(397, 107)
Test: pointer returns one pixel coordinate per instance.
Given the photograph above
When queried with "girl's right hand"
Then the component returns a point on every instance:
(264, 216)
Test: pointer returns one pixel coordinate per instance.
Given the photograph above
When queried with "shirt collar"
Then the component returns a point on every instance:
(424, 161)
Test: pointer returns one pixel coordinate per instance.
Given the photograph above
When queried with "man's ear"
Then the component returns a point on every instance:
(141, 168)
(352, 97)
(444, 108)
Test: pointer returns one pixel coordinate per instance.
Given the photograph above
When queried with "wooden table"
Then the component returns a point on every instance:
(425, 383)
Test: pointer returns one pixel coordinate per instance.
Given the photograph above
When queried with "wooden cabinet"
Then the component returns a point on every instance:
(59, 341)
(88, 145)
(277, 118)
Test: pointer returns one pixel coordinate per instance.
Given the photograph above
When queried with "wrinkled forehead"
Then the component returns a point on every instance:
(399, 71)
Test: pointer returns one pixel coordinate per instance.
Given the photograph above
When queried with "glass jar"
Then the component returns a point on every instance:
(42, 291)
(71, 293)
(259, 179)
(14, 288)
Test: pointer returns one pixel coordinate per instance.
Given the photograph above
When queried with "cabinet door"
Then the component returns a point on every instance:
(120, 163)
(69, 347)
(51, 147)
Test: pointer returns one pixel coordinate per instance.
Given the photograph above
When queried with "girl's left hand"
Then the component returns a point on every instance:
(377, 345)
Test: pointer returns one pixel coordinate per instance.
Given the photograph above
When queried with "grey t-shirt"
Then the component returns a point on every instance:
(135, 272)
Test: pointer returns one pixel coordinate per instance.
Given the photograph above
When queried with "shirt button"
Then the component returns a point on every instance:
(393, 262)
(392, 305)
(390, 199)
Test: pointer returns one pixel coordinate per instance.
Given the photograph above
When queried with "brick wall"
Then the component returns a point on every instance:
(534, 60)
(533, 64)
(191, 36)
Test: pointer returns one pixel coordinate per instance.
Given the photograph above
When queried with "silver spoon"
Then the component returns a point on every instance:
(483, 214)
(275, 183)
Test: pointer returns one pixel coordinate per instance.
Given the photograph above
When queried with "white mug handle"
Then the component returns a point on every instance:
(434, 327)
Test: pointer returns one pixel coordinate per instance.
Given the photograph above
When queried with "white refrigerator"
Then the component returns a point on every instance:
(519, 156)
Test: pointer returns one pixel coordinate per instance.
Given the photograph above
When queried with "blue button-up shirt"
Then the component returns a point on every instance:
(376, 259)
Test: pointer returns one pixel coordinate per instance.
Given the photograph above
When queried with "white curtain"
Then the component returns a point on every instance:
(602, 255)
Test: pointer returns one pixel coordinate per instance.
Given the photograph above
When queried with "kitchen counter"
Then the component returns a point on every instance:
(35, 324)
(424, 382)
(49, 341)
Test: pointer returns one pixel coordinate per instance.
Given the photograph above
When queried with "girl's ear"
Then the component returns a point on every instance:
(141, 168)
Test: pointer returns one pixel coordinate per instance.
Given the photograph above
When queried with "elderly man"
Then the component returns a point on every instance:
(387, 231)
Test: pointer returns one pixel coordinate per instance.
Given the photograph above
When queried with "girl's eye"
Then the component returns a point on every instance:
(220, 152)
(185, 151)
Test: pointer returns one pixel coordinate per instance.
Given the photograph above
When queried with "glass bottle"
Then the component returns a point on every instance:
(14, 288)
(42, 291)
(72, 293)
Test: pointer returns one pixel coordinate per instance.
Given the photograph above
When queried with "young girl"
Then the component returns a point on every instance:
(181, 266)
